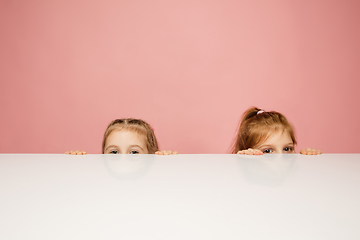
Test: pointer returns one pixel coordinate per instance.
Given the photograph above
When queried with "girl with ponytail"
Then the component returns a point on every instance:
(262, 132)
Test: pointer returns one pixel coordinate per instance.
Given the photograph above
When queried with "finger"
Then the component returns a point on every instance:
(316, 152)
(73, 152)
(303, 152)
(84, 153)
(175, 153)
(249, 152)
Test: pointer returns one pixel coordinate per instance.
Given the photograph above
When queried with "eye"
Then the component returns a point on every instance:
(114, 152)
(288, 149)
(267, 151)
(134, 152)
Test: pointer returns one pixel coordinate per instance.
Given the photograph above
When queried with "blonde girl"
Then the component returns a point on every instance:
(262, 132)
(129, 136)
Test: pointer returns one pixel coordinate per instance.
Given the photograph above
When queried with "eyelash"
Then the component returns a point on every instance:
(290, 149)
(268, 150)
(131, 152)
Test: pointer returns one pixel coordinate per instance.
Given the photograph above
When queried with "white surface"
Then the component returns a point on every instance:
(180, 197)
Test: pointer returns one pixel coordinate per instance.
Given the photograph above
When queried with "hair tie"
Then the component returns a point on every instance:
(260, 112)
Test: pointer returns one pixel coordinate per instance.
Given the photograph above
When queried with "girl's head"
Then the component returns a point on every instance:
(266, 131)
(132, 136)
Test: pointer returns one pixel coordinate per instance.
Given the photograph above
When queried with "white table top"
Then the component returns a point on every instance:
(180, 197)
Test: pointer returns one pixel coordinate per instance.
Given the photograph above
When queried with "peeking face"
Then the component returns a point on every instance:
(278, 142)
(125, 142)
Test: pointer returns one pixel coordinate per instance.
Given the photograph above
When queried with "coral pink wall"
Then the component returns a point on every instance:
(190, 68)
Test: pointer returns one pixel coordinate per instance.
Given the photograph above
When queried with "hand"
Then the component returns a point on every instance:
(251, 151)
(164, 152)
(77, 152)
(310, 151)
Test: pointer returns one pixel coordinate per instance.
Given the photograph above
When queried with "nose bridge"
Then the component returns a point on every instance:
(279, 150)
(122, 149)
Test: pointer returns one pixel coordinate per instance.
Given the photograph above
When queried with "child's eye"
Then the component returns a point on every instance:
(267, 151)
(288, 149)
(134, 152)
(114, 152)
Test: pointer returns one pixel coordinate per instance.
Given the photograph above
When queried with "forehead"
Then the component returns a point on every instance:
(124, 137)
(278, 137)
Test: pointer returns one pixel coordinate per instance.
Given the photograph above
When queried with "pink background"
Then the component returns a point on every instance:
(190, 68)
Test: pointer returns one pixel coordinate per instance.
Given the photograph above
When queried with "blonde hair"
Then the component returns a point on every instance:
(256, 126)
(137, 125)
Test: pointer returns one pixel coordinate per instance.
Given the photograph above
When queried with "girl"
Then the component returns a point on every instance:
(129, 136)
(266, 132)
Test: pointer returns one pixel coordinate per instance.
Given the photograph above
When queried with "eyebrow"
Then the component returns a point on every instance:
(288, 144)
(111, 146)
(129, 147)
(136, 146)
